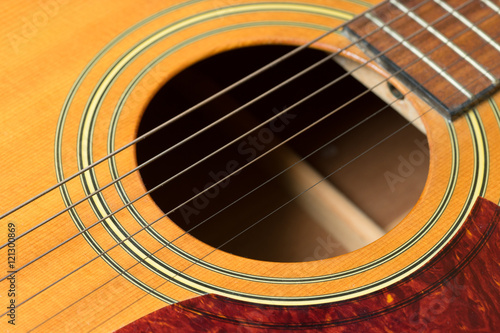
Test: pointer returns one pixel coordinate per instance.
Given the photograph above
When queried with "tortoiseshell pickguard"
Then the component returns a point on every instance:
(458, 290)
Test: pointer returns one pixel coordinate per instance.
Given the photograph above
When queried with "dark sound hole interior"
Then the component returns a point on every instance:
(260, 212)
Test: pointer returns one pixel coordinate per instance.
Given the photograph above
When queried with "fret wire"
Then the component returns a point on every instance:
(445, 40)
(163, 183)
(201, 259)
(468, 23)
(134, 302)
(492, 6)
(419, 54)
(168, 122)
(195, 226)
(184, 140)
(193, 108)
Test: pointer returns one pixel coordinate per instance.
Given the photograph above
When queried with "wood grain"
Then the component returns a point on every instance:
(444, 295)
(54, 60)
(437, 36)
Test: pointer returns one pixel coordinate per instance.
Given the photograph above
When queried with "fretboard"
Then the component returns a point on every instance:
(447, 51)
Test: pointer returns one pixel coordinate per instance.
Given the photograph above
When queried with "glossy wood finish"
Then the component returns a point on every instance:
(447, 61)
(65, 64)
(445, 295)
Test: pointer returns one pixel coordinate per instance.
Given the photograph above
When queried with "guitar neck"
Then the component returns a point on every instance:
(447, 51)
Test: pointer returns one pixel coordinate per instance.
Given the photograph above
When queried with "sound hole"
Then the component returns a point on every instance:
(262, 214)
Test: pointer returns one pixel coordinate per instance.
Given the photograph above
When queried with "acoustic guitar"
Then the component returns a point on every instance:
(248, 165)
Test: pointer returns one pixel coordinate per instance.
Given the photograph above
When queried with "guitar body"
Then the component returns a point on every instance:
(77, 77)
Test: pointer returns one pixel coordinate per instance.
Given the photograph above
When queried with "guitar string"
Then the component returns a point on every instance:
(247, 194)
(234, 236)
(151, 160)
(218, 150)
(186, 112)
(134, 265)
(178, 144)
(169, 279)
(281, 172)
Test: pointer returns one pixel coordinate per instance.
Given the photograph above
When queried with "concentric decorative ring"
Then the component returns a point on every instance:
(89, 179)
